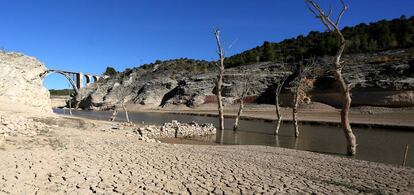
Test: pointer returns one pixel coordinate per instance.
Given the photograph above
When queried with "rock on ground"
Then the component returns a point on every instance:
(86, 161)
(16, 125)
(21, 87)
(175, 129)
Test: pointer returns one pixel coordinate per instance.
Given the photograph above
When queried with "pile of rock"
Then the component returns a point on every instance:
(15, 125)
(175, 129)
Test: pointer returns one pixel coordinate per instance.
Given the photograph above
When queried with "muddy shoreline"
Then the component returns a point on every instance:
(366, 117)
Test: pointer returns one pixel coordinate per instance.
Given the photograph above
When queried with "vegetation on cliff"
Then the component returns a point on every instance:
(362, 38)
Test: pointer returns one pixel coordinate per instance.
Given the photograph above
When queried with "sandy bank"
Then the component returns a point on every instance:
(83, 157)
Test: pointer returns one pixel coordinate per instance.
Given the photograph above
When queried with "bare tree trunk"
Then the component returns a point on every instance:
(345, 89)
(126, 112)
(114, 114)
(220, 100)
(346, 96)
(236, 122)
(278, 114)
(295, 112)
(70, 107)
(220, 81)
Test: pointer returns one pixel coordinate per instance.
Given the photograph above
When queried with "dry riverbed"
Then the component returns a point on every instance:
(81, 156)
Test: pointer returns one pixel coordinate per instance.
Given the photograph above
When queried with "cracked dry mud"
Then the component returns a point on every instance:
(76, 161)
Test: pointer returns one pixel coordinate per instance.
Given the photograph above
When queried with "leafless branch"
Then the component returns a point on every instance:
(344, 8)
(326, 18)
(218, 42)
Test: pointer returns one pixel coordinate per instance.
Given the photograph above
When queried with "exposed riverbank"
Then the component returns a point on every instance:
(86, 156)
(375, 117)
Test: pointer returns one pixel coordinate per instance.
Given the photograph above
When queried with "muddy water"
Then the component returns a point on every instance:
(374, 144)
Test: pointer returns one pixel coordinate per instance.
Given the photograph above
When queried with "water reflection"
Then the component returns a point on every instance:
(380, 145)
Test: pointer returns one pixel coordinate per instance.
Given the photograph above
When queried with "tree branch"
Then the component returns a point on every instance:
(344, 8)
(220, 49)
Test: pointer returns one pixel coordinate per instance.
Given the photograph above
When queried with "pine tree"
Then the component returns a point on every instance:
(268, 52)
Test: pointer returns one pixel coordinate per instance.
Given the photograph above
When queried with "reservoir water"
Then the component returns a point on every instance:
(374, 144)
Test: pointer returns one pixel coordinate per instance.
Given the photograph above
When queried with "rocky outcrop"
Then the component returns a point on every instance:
(175, 129)
(21, 87)
(378, 79)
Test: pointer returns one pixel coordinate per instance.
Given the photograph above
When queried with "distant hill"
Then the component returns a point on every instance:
(362, 38)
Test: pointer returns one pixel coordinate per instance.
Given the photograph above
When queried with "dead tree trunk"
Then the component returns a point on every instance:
(278, 113)
(236, 121)
(126, 112)
(70, 107)
(300, 88)
(219, 82)
(114, 114)
(245, 90)
(295, 112)
(345, 89)
(346, 96)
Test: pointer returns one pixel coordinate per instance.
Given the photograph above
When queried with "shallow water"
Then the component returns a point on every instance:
(374, 144)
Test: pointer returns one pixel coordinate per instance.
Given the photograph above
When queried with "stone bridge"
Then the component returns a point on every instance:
(75, 78)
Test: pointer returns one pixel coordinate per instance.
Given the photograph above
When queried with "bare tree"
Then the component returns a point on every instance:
(278, 89)
(219, 82)
(333, 27)
(301, 85)
(121, 97)
(69, 100)
(241, 94)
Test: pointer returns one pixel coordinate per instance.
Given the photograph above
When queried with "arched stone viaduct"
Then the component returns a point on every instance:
(75, 78)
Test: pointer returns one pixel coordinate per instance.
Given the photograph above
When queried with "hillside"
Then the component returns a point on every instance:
(380, 79)
(362, 38)
(379, 64)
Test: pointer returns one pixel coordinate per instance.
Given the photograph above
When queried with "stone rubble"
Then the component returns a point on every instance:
(17, 125)
(175, 129)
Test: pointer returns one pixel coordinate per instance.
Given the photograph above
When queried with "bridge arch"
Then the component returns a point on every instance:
(66, 75)
(88, 79)
(95, 78)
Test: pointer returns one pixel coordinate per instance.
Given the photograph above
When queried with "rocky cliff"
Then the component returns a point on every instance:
(21, 88)
(379, 79)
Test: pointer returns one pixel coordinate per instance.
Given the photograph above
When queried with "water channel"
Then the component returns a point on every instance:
(374, 144)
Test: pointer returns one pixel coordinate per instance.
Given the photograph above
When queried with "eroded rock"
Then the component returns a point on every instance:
(21, 87)
(390, 73)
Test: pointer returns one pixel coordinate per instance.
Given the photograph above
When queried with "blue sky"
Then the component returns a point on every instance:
(89, 35)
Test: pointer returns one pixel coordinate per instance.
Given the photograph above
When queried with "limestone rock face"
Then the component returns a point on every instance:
(21, 88)
(378, 79)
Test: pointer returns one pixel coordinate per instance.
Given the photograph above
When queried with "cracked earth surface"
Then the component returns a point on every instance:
(76, 161)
